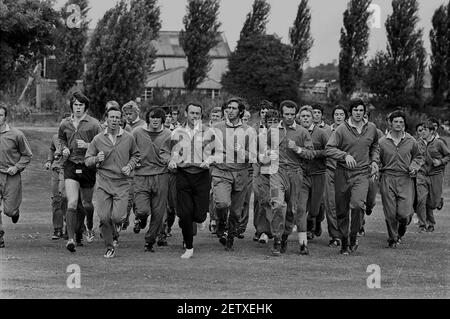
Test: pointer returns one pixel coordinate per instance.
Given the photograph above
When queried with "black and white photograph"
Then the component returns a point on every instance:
(224, 155)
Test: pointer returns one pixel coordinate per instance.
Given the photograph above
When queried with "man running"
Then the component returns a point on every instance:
(15, 155)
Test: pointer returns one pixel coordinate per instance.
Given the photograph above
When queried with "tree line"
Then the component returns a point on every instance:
(119, 54)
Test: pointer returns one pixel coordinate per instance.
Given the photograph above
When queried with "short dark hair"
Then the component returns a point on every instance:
(419, 125)
(3, 107)
(113, 108)
(155, 112)
(265, 105)
(355, 103)
(435, 121)
(80, 97)
(339, 107)
(242, 104)
(317, 107)
(396, 114)
(290, 105)
(194, 103)
(272, 114)
(429, 125)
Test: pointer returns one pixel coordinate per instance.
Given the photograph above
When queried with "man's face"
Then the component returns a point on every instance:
(427, 133)
(113, 120)
(2, 117)
(216, 117)
(306, 119)
(272, 122)
(155, 122)
(168, 121)
(436, 126)
(288, 115)
(78, 108)
(174, 117)
(420, 131)
(193, 114)
(131, 115)
(262, 114)
(246, 117)
(233, 111)
(398, 124)
(317, 116)
(358, 113)
(339, 117)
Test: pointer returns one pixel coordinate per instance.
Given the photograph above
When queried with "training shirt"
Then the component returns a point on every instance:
(155, 151)
(434, 149)
(87, 129)
(117, 155)
(397, 160)
(14, 149)
(319, 138)
(137, 123)
(346, 140)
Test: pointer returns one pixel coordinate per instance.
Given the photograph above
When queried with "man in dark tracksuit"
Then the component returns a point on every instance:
(400, 159)
(431, 177)
(191, 156)
(355, 146)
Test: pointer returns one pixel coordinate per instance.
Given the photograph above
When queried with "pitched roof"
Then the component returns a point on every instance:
(173, 79)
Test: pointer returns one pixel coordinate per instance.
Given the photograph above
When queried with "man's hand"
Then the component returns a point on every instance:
(264, 159)
(47, 165)
(12, 170)
(205, 165)
(81, 144)
(126, 170)
(66, 152)
(172, 165)
(274, 155)
(351, 163)
(292, 145)
(100, 157)
(413, 171)
(375, 169)
(437, 163)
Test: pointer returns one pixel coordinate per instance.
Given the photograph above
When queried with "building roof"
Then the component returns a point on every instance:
(168, 45)
(173, 79)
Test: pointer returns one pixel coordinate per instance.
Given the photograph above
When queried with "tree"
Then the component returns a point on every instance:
(261, 68)
(199, 37)
(439, 53)
(256, 21)
(354, 44)
(26, 37)
(403, 38)
(378, 78)
(120, 55)
(300, 36)
(71, 40)
(421, 64)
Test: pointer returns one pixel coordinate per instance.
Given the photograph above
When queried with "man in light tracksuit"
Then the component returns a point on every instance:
(115, 154)
(400, 159)
(151, 180)
(15, 155)
(295, 145)
(430, 177)
(355, 146)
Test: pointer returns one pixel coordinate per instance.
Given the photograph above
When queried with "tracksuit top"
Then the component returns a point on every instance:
(14, 150)
(319, 138)
(124, 152)
(192, 150)
(289, 159)
(397, 160)
(87, 129)
(231, 162)
(139, 123)
(435, 149)
(154, 148)
(363, 147)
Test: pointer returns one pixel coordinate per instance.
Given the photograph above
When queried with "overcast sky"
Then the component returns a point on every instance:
(326, 21)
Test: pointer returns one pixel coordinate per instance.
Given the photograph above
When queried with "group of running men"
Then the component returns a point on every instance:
(299, 169)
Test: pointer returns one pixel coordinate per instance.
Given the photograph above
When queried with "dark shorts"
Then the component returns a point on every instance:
(80, 173)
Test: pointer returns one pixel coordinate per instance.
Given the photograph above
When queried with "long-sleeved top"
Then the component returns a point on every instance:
(397, 160)
(55, 149)
(434, 149)
(289, 159)
(155, 151)
(346, 140)
(68, 135)
(118, 154)
(137, 123)
(191, 147)
(319, 138)
(14, 149)
(225, 137)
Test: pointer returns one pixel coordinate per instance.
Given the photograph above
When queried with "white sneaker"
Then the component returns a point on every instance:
(110, 253)
(264, 239)
(188, 254)
(90, 236)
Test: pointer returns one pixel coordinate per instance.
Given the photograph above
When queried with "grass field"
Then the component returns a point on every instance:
(33, 266)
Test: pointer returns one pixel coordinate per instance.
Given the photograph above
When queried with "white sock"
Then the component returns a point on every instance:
(188, 254)
(303, 239)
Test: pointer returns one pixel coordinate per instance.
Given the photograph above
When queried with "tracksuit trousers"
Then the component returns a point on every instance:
(330, 205)
(397, 197)
(10, 195)
(243, 220)
(429, 193)
(263, 207)
(311, 197)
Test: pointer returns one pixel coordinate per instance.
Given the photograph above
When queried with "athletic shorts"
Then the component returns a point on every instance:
(80, 173)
